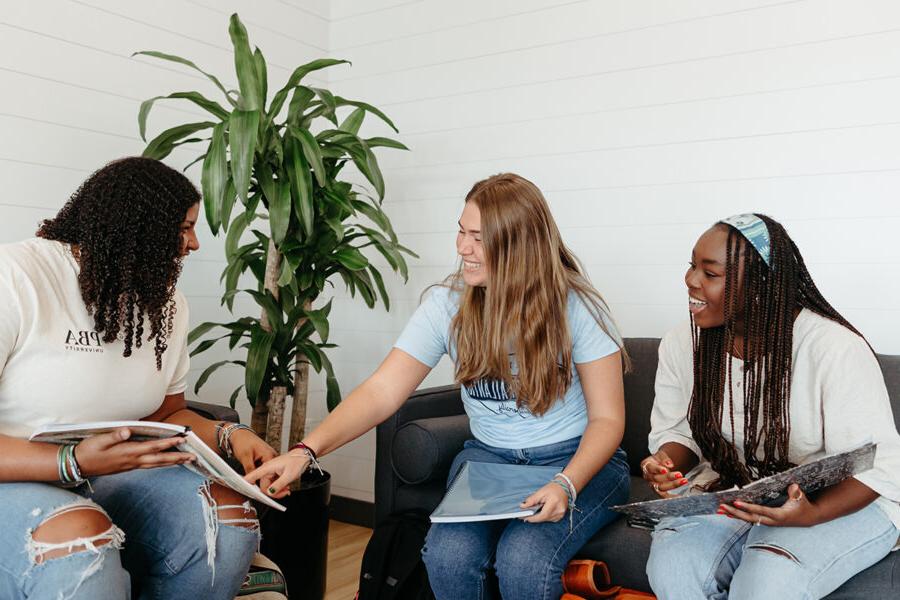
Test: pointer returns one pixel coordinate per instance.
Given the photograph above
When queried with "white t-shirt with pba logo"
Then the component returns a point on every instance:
(54, 368)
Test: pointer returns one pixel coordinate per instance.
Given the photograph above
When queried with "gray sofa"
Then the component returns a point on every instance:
(415, 447)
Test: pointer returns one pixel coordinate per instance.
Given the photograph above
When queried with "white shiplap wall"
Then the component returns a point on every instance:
(643, 121)
(70, 98)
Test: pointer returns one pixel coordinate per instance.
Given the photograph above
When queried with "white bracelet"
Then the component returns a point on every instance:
(571, 485)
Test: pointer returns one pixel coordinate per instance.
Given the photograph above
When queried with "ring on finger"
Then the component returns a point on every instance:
(758, 523)
(644, 468)
(655, 487)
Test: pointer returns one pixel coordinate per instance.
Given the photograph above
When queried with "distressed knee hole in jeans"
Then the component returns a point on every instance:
(214, 514)
(58, 536)
(667, 529)
(774, 549)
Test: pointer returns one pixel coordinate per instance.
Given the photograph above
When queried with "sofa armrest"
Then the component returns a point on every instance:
(426, 403)
(423, 450)
(215, 412)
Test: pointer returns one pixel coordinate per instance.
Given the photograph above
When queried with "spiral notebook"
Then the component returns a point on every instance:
(490, 491)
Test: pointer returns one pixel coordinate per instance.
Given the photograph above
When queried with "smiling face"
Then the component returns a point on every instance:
(189, 242)
(705, 278)
(470, 248)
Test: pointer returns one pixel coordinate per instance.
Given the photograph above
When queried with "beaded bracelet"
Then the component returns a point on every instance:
(310, 453)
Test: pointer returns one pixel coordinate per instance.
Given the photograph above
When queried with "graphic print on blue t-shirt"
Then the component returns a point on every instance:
(494, 395)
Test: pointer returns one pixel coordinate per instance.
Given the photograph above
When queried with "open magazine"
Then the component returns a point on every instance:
(208, 463)
(812, 476)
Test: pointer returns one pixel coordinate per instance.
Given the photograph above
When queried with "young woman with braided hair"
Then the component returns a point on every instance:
(93, 329)
(767, 375)
(540, 370)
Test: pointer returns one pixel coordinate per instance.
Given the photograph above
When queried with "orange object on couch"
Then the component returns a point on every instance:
(589, 580)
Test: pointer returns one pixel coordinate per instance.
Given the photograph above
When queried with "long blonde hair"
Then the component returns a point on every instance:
(523, 307)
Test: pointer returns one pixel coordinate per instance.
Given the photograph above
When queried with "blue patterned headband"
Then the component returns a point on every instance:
(754, 229)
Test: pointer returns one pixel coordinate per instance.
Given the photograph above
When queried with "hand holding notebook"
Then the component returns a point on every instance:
(208, 462)
(491, 491)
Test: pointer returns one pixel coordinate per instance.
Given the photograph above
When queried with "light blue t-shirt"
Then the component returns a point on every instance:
(493, 415)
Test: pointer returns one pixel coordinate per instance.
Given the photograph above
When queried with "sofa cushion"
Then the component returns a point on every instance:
(644, 353)
(422, 450)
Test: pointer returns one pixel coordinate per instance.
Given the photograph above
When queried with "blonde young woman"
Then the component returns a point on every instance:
(540, 368)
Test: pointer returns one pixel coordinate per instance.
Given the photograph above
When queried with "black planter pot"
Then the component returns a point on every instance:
(297, 539)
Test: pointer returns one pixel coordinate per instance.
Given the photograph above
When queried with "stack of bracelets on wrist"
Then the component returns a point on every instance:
(67, 466)
(310, 453)
(224, 431)
(562, 480)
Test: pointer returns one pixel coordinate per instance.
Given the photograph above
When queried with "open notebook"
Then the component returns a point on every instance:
(489, 491)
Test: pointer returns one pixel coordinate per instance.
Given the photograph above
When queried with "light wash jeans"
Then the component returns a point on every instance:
(158, 542)
(715, 557)
(528, 558)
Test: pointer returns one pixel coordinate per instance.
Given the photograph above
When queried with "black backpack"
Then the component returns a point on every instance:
(392, 567)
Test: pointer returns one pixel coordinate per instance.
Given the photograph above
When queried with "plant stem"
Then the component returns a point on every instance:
(276, 416)
(260, 422)
(298, 407)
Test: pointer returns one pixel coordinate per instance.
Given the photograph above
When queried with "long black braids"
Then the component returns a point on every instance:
(125, 221)
(767, 299)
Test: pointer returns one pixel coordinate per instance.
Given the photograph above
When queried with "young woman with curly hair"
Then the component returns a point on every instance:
(93, 329)
(540, 371)
(766, 376)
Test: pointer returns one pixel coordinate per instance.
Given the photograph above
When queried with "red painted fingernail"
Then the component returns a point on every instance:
(663, 471)
(677, 475)
(682, 482)
(721, 512)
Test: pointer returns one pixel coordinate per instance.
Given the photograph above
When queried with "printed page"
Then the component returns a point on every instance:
(824, 472)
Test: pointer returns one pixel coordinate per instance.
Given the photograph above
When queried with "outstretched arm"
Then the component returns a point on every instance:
(377, 398)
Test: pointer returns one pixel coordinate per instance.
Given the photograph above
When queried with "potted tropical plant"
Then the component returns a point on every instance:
(273, 181)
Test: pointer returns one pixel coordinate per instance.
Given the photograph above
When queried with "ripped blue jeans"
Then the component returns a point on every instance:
(714, 557)
(165, 540)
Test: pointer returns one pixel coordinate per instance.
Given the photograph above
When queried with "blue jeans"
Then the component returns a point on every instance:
(527, 558)
(712, 556)
(158, 541)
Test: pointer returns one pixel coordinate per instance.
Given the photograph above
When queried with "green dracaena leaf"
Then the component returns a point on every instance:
(163, 144)
(242, 132)
(257, 362)
(297, 76)
(351, 258)
(214, 178)
(311, 151)
(197, 98)
(245, 66)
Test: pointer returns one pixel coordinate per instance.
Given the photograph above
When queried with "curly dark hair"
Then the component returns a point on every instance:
(125, 221)
(770, 299)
